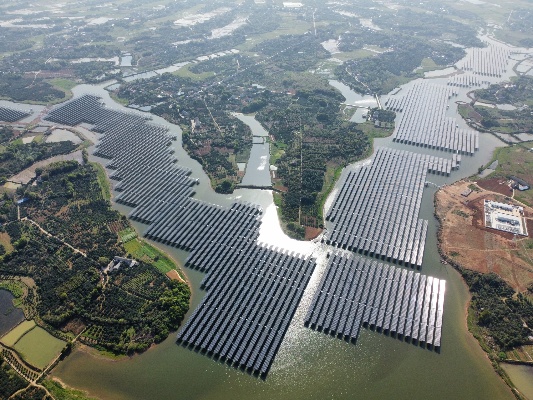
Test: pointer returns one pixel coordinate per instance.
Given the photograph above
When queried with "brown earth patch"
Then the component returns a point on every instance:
(281, 188)
(497, 185)
(76, 326)
(117, 226)
(5, 240)
(173, 275)
(311, 233)
(465, 239)
(471, 112)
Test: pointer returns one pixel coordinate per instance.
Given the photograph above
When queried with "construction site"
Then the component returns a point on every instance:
(467, 240)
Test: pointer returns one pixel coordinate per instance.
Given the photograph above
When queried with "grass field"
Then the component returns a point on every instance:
(277, 149)
(374, 132)
(141, 250)
(15, 287)
(332, 175)
(289, 25)
(102, 180)
(63, 84)
(5, 241)
(185, 72)
(38, 347)
(14, 335)
(516, 160)
(127, 234)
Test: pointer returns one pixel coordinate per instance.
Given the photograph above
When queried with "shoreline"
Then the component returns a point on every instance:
(64, 385)
(179, 267)
(95, 352)
(467, 309)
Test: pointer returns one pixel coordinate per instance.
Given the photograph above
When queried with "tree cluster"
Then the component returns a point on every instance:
(506, 318)
(25, 88)
(10, 381)
(18, 156)
(124, 310)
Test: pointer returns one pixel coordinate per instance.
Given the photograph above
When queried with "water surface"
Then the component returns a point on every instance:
(353, 98)
(10, 316)
(522, 377)
(309, 365)
(258, 167)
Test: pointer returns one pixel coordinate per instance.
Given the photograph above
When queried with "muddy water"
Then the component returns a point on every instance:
(522, 377)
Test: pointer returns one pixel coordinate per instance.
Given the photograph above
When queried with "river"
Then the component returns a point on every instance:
(309, 364)
(257, 170)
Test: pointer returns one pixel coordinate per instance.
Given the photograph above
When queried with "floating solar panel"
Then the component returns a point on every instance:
(253, 291)
(142, 162)
(465, 81)
(376, 210)
(206, 229)
(379, 296)
(423, 121)
(251, 299)
(490, 61)
(11, 115)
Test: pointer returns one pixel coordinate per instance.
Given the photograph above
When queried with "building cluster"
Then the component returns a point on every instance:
(505, 217)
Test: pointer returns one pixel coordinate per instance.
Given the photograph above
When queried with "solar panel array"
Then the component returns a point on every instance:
(11, 115)
(253, 294)
(150, 180)
(441, 166)
(465, 81)
(197, 225)
(253, 290)
(376, 210)
(355, 291)
(423, 121)
(492, 60)
(85, 109)
(142, 160)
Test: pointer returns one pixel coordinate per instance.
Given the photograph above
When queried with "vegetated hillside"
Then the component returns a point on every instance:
(211, 135)
(124, 310)
(502, 316)
(313, 142)
(516, 160)
(518, 93)
(312, 138)
(397, 62)
(406, 42)
(26, 88)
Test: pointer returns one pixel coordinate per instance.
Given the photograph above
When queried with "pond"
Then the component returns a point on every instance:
(522, 377)
(38, 347)
(125, 60)
(10, 316)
